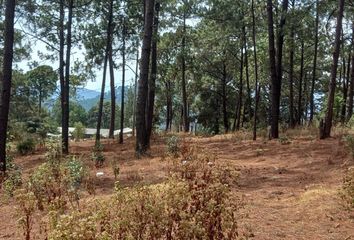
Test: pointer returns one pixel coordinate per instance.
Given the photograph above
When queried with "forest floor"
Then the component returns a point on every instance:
(290, 188)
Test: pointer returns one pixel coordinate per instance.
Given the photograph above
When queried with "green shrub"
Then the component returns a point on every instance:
(26, 146)
(79, 131)
(194, 203)
(349, 140)
(12, 181)
(284, 140)
(173, 145)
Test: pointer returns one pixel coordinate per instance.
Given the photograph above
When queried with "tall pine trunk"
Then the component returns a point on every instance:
(351, 88)
(326, 126)
(299, 102)
(123, 84)
(6, 78)
(66, 88)
(184, 87)
(108, 45)
(153, 75)
(314, 68)
(276, 85)
(257, 89)
(275, 89)
(135, 87)
(291, 76)
(113, 93)
(224, 99)
(141, 144)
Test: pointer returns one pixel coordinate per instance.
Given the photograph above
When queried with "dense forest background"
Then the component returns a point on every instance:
(204, 66)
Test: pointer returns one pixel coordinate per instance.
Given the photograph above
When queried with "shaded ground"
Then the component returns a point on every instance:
(290, 190)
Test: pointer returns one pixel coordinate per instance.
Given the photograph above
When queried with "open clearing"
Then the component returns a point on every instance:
(290, 190)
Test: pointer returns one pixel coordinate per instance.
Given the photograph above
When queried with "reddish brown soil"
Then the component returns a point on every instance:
(290, 191)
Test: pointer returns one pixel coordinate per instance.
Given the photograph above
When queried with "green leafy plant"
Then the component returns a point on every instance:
(26, 206)
(79, 131)
(349, 140)
(26, 146)
(284, 140)
(172, 144)
(194, 203)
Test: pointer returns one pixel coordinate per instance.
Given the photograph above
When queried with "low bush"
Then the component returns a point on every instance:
(349, 140)
(26, 146)
(196, 202)
(347, 192)
(79, 131)
(173, 145)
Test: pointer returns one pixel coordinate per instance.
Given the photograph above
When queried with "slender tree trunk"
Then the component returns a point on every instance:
(153, 75)
(346, 71)
(257, 89)
(141, 144)
(275, 90)
(249, 101)
(64, 137)
(291, 76)
(325, 130)
(123, 85)
(299, 103)
(65, 110)
(314, 68)
(224, 99)
(184, 87)
(6, 78)
(135, 87)
(113, 93)
(39, 100)
(351, 89)
(108, 44)
(240, 96)
(276, 87)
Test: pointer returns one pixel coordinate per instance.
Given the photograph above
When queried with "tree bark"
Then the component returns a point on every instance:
(184, 87)
(351, 89)
(257, 89)
(273, 73)
(113, 93)
(276, 86)
(108, 44)
(65, 108)
(224, 99)
(291, 76)
(240, 96)
(314, 68)
(325, 131)
(141, 144)
(135, 87)
(153, 75)
(123, 84)
(6, 78)
(299, 102)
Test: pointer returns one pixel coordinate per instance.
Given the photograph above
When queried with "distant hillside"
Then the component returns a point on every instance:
(83, 93)
(89, 98)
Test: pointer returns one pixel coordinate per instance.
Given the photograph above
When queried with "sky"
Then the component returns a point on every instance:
(77, 54)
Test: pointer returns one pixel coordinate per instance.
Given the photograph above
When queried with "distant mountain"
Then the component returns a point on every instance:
(89, 102)
(83, 93)
(88, 98)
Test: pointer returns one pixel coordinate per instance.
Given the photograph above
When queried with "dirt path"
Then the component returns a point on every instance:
(290, 191)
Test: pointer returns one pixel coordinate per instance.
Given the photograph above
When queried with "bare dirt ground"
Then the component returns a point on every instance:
(290, 190)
